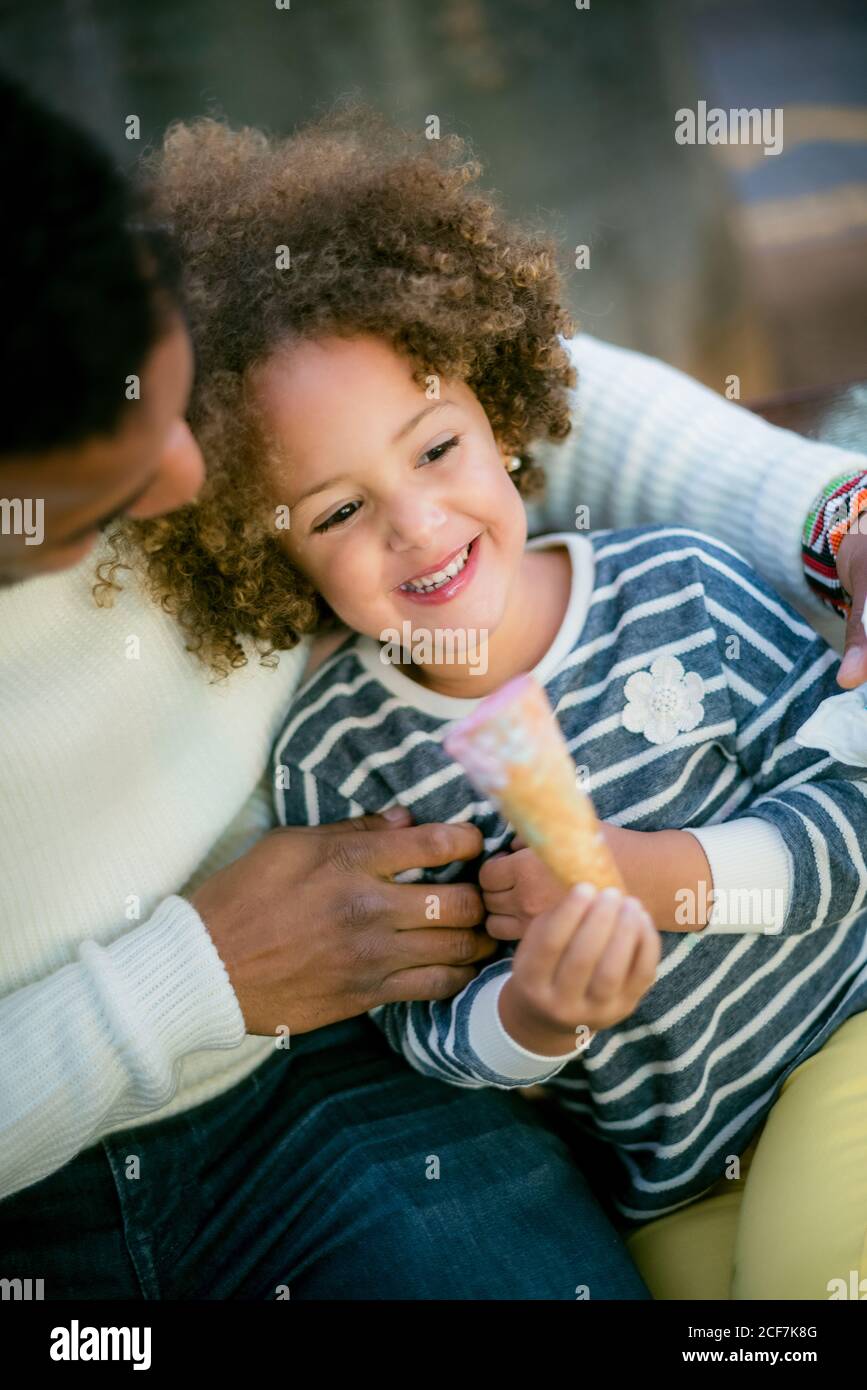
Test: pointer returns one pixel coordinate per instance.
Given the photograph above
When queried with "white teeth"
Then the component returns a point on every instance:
(429, 582)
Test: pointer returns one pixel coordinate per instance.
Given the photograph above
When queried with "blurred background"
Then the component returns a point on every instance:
(718, 258)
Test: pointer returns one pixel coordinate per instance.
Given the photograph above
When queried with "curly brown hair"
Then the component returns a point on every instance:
(385, 236)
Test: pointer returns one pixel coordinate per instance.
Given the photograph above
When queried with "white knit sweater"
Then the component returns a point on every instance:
(127, 777)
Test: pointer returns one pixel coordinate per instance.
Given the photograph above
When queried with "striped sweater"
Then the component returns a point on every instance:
(665, 1098)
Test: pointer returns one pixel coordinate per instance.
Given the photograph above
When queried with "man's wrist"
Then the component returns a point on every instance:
(832, 518)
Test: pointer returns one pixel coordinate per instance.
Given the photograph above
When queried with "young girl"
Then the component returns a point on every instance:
(377, 349)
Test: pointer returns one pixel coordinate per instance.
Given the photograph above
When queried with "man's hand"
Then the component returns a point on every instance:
(312, 930)
(852, 571)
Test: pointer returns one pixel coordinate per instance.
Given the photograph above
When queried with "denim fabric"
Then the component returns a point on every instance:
(317, 1172)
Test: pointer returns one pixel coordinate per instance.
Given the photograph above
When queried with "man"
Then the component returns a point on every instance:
(150, 1144)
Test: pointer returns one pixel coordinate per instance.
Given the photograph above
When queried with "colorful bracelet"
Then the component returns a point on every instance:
(831, 517)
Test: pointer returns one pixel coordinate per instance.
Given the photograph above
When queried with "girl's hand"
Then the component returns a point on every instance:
(517, 886)
(661, 867)
(580, 967)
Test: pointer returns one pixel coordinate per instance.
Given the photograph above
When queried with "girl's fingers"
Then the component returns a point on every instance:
(504, 900)
(613, 968)
(497, 874)
(503, 928)
(578, 959)
(548, 936)
(645, 961)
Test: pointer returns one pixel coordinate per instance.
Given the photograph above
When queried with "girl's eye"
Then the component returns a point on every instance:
(337, 518)
(348, 509)
(440, 450)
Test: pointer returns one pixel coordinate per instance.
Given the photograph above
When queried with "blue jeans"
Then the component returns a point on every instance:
(335, 1171)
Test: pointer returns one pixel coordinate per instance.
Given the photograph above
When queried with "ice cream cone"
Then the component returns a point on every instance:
(514, 752)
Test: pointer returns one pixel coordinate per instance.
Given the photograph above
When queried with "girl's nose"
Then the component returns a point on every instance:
(415, 527)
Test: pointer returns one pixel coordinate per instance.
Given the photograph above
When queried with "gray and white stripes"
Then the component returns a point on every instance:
(685, 1082)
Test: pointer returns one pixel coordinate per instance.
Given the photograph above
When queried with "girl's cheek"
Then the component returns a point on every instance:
(341, 577)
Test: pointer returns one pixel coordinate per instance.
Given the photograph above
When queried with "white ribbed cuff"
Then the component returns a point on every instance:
(164, 992)
(752, 876)
(498, 1050)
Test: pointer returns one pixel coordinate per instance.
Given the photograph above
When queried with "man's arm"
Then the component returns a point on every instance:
(776, 676)
(651, 445)
(98, 1042)
(299, 931)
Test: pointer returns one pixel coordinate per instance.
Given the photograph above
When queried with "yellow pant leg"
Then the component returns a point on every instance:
(803, 1214)
(796, 1219)
(690, 1254)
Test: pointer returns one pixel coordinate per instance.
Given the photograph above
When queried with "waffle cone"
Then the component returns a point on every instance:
(515, 753)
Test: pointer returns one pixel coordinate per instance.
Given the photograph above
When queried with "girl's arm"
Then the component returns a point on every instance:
(788, 858)
(669, 871)
(777, 673)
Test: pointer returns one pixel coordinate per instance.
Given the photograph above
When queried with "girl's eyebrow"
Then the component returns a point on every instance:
(411, 424)
(404, 429)
(320, 487)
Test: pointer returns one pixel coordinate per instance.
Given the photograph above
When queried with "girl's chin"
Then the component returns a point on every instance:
(476, 617)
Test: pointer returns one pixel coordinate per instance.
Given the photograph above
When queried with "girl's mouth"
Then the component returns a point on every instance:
(444, 585)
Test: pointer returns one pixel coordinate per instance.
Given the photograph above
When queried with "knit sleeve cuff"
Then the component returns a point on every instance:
(499, 1051)
(751, 869)
(164, 992)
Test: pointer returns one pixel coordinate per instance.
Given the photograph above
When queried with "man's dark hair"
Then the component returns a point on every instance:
(87, 285)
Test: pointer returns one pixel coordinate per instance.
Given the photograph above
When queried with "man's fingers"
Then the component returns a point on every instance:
(411, 907)
(395, 817)
(390, 847)
(439, 946)
(852, 572)
(389, 852)
(853, 668)
(422, 982)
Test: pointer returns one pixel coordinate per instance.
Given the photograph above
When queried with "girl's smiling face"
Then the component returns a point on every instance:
(386, 486)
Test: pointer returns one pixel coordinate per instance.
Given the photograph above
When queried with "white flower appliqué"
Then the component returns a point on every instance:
(664, 701)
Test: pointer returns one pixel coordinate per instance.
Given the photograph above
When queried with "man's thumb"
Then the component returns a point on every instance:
(853, 668)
